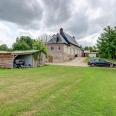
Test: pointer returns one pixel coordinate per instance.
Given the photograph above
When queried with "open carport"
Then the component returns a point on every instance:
(7, 58)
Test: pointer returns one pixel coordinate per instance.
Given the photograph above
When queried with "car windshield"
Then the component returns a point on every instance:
(92, 60)
(102, 60)
(97, 60)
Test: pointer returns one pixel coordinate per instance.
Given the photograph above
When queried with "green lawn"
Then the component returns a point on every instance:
(58, 91)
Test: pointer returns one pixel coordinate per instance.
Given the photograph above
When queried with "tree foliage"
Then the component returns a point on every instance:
(106, 43)
(39, 45)
(23, 43)
(3, 47)
(91, 48)
(44, 38)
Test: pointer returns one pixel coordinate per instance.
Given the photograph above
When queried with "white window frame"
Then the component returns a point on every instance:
(51, 48)
(58, 48)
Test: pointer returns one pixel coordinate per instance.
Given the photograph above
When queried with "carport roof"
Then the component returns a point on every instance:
(19, 52)
(25, 52)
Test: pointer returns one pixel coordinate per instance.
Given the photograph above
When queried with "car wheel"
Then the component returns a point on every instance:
(114, 66)
(108, 65)
(93, 65)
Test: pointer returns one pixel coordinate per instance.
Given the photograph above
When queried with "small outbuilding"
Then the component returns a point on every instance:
(87, 53)
(93, 54)
(7, 58)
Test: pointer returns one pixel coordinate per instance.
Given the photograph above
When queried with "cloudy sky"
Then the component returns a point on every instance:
(84, 19)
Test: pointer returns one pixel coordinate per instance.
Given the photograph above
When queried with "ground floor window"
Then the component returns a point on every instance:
(58, 48)
(52, 48)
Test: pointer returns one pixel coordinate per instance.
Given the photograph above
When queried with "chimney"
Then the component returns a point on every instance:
(61, 30)
(73, 37)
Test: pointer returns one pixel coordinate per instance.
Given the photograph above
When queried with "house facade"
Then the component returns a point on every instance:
(62, 47)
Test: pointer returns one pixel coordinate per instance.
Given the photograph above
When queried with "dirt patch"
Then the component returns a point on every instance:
(79, 61)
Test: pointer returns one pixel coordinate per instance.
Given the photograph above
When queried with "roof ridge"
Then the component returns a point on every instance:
(71, 39)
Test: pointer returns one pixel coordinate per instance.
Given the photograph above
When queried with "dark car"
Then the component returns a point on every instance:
(18, 63)
(100, 62)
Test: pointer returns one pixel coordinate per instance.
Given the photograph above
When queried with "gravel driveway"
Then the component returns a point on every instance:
(79, 61)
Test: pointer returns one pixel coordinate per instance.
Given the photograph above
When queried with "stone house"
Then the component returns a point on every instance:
(62, 47)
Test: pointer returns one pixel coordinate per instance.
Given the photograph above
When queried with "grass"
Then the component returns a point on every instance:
(87, 59)
(58, 91)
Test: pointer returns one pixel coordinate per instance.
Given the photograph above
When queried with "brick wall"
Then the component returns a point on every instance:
(57, 56)
(60, 56)
(66, 52)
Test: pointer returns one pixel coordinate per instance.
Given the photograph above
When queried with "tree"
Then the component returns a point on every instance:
(23, 43)
(106, 43)
(27, 40)
(95, 48)
(86, 48)
(3, 47)
(89, 48)
(39, 45)
(21, 46)
(44, 37)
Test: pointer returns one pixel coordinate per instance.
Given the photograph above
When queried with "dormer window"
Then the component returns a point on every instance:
(54, 38)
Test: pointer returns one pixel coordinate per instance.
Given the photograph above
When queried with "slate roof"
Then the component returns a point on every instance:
(71, 39)
(60, 39)
(65, 38)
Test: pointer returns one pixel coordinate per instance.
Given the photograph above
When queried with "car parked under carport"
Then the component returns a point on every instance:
(7, 58)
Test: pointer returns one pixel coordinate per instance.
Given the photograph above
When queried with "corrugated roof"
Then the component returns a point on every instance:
(5, 52)
(20, 52)
(26, 51)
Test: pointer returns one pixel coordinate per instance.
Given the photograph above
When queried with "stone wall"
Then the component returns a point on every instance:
(68, 57)
(42, 59)
(66, 52)
(56, 56)
(72, 50)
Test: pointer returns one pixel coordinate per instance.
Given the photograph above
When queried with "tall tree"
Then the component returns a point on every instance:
(86, 48)
(106, 43)
(3, 47)
(39, 45)
(23, 43)
(44, 37)
(91, 49)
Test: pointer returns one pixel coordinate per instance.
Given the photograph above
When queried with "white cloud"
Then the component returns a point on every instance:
(89, 40)
(22, 32)
(84, 19)
(4, 32)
